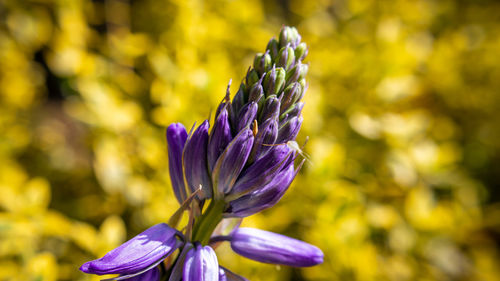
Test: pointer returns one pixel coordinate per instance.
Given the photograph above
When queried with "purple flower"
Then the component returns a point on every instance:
(201, 264)
(176, 138)
(139, 254)
(269, 247)
(231, 162)
(262, 198)
(195, 161)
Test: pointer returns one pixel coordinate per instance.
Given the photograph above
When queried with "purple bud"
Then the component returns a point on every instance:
(265, 138)
(239, 101)
(195, 161)
(246, 116)
(270, 109)
(265, 197)
(262, 171)
(232, 161)
(269, 247)
(294, 74)
(256, 92)
(290, 96)
(201, 264)
(273, 47)
(140, 253)
(219, 138)
(286, 57)
(176, 138)
(289, 130)
(261, 63)
(289, 35)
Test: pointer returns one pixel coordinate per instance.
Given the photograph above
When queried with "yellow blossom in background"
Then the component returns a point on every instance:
(402, 115)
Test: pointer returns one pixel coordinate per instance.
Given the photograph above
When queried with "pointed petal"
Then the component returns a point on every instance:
(289, 130)
(269, 247)
(246, 115)
(220, 137)
(265, 138)
(195, 161)
(232, 161)
(176, 138)
(262, 171)
(270, 109)
(264, 197)
(201, 264)
(150, 247)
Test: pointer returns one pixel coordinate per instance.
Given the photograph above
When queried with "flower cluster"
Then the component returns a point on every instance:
(240, 166)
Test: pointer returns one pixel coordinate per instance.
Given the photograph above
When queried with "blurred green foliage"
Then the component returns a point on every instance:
(402, 112)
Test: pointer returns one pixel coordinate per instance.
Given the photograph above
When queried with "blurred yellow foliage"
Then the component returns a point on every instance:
(402, 113)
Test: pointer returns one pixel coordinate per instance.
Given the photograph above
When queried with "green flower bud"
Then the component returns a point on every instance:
(252, 77)
(289, 35)
(286, 57)
(262, 63)
(273, 47)
(293, 74)
(301, 51)
(280, 80)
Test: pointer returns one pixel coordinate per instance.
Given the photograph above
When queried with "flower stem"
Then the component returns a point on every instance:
(205, 226)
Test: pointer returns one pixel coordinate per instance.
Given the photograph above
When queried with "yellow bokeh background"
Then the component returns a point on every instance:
(402, 115)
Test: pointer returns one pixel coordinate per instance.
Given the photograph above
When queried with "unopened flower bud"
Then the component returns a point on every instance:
(273, 47)
(252, 77)
(256, 92)
(290, 96)
(301, 51)
(270, 108)
(262, 63)
(280, 81)
(286, 57)
(289, 35)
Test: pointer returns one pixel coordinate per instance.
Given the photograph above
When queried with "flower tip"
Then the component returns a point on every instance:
(85, 267)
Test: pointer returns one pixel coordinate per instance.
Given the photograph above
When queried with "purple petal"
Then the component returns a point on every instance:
(246, 115)
(150, 247)
(176, 138)
(195, 161)
(232, 161)
(265, 138)
(262, 171)
(269, 247)
(219, 138)
(201, 264)
(264, 197)
(271, 109)
(289, 130)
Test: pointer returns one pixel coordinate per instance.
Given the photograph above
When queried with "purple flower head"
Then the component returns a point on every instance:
(201, 264)
(139, 254)
(269, 247)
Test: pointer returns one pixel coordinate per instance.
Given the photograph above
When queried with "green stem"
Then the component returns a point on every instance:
(205, 226)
